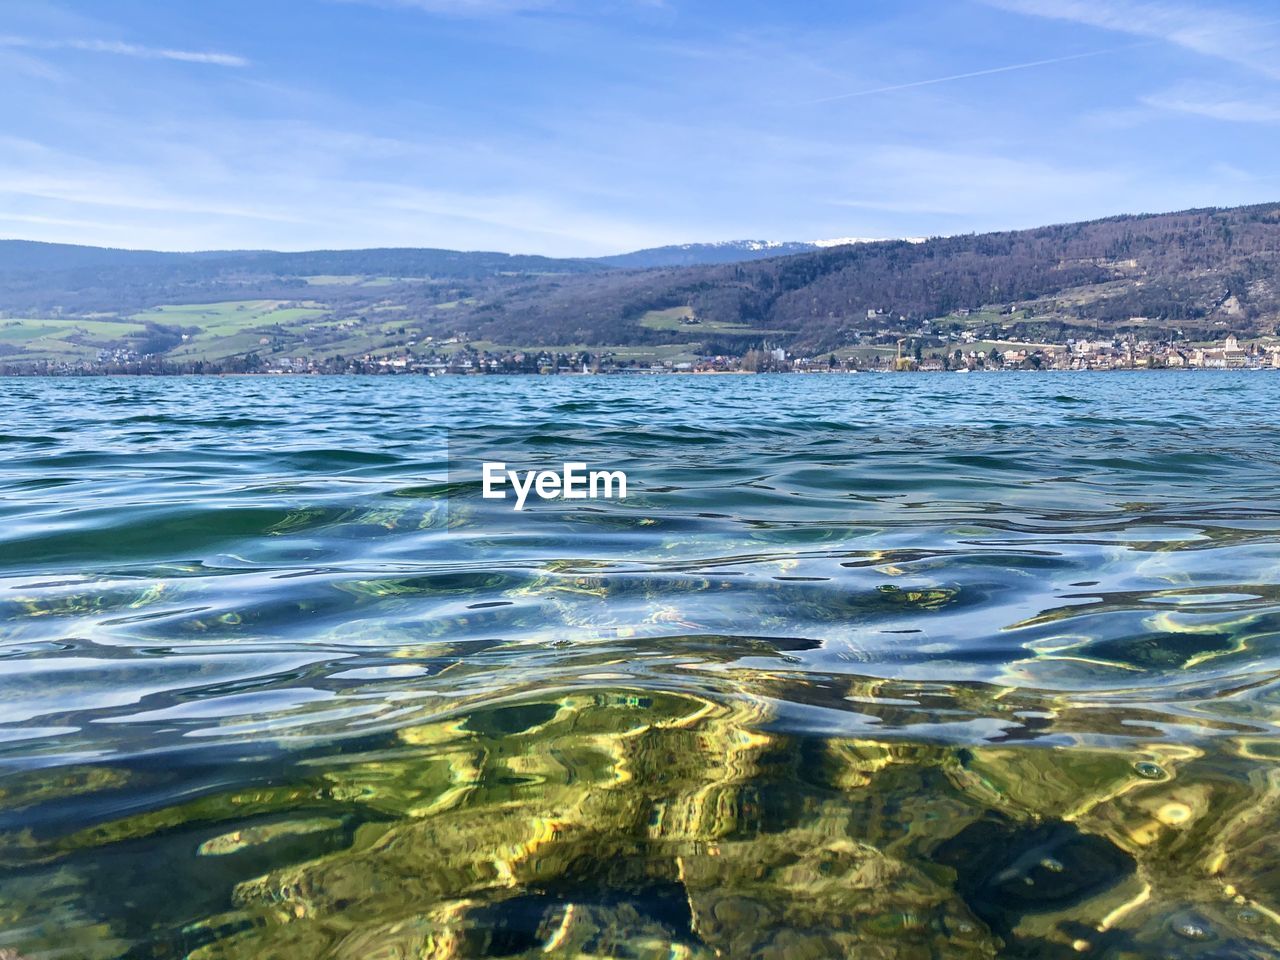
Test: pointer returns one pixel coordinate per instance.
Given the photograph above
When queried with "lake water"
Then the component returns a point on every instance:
(874, 666)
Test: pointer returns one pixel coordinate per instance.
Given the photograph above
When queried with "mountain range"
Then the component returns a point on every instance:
(1193, 273)
(695, 254)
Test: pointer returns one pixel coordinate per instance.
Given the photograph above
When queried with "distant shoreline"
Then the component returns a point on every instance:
(629, 375)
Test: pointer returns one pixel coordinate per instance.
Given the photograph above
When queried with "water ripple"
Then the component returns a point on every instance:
(1004, 650)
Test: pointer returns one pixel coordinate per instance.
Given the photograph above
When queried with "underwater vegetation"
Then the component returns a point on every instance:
(622, 822)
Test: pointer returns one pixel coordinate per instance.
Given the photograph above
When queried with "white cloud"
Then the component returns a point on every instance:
(257, 192)
(968, 186)
(1216, 104)
(1211, 31)
(122, 49)
(655, 149)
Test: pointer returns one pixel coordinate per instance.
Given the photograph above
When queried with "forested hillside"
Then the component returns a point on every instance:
(1186, 271)
(44, 277)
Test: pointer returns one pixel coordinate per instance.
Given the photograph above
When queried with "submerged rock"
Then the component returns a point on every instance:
(616, 821)
(1005, 870)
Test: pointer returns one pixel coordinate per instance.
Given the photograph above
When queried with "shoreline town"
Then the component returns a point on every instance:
(910, 356)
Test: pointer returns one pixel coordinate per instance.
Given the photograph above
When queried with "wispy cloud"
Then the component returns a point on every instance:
(122, 49)
(966, 76)
(592, 126)
(1216, 104)
(465, 8)
(1209, 30)
(14, 63)
(964, 185)
(497, 8)
(311, 187)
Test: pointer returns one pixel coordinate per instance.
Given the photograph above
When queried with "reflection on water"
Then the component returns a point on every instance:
(873, 667)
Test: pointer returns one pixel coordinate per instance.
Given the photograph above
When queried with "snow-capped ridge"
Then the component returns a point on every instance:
(739, 245)
(847, 241)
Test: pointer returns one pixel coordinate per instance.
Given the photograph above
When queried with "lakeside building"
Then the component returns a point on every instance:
(1229, 355)
(924, 355)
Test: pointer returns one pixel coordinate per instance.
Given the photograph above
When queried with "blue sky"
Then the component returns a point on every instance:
(582, 127)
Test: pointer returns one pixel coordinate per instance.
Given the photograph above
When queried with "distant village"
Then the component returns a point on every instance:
(909, 357)
(457, 356)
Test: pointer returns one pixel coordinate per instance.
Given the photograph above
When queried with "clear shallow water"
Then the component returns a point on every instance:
(885, 666)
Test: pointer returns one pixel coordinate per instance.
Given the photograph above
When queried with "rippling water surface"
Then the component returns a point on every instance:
(875, 666)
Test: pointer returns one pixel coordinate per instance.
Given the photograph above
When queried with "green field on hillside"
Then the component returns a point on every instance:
(231, 316)
(230, 328)
(982, 318)
(61, 339)
(678, 318)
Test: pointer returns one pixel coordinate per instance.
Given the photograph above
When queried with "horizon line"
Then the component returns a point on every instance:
(675, 244)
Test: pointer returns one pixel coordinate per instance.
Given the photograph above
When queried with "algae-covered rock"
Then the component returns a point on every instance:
(610, 821)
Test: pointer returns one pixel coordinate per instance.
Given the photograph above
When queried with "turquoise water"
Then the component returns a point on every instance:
(882, 666)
